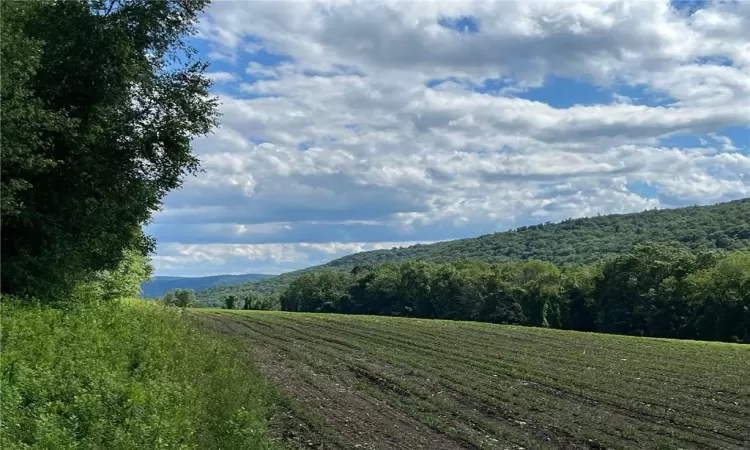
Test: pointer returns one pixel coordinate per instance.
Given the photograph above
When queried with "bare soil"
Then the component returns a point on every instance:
(364, 383)
(345, 416)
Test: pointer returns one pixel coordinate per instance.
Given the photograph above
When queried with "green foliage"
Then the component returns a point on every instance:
(125, 376)
(721, 297)
(653, 290)
(100, 102)
(578, 284)
(182, 298)
(320, 292)
(574, 242)
(123, 282)
(266, 302)
(25, 119)
(214, 296)
(247, 302)
(638, 292)
(230, 302)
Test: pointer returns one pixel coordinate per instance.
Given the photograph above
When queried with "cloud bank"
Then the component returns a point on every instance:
(352, 125)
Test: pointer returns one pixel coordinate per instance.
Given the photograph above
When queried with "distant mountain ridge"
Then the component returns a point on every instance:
(158, 286)
(570, 242)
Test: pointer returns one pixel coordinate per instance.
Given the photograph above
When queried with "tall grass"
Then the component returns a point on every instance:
(125, 376)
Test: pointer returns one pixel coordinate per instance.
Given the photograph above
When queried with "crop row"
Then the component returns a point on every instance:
(489, 386)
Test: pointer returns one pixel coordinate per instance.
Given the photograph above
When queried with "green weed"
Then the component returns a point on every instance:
(125, 376)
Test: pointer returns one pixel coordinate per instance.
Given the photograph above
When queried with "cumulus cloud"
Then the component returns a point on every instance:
(202, 259)
(395, 121)
(221, 77)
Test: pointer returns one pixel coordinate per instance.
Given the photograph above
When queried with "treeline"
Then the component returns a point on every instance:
(245, 297)
(186, 298)
(573, 242)
(654, 290)
(92, 141)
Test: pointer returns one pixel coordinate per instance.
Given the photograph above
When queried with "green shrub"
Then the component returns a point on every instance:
(124, 376)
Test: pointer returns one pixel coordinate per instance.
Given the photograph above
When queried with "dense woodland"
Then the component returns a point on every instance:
(101, 100)
(654, 290)
(724, 226)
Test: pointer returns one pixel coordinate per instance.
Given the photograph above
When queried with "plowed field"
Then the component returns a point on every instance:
(390, 383)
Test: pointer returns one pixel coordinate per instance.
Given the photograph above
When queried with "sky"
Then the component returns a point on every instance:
(357, 125)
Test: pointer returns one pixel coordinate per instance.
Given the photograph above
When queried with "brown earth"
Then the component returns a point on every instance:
(359, 385)
(345, 416)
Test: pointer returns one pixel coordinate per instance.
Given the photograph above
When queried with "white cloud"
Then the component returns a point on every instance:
(258, 70)
(604, 39)
(222, 77)
(726, 143)
(258, 258)
(388, 158)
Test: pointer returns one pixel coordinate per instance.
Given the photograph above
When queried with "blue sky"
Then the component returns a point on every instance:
(361, 125)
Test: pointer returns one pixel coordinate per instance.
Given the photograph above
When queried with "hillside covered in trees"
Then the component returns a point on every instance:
(158, 286)
(724, 226)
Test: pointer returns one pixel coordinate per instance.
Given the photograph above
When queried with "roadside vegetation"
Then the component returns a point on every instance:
(385, 382)
(131, 375)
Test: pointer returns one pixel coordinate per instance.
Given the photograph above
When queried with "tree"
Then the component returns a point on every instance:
(375, 291)
(447, 286)
(248, 301)
(230, 302)
(125, 281)
(721, 296)
(182, 298)
(635, 293)
(499, 303)
(414, 289)
(315, 292)
(538, 286)
(579, 286)
(101, 100)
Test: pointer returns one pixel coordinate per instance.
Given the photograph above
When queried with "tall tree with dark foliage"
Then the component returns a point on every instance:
(100, 102)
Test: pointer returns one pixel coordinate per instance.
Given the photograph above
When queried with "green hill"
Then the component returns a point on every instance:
(570, 242)
(158, 286)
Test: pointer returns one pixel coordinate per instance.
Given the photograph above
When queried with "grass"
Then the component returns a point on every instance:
(127, 375)
(383, 382)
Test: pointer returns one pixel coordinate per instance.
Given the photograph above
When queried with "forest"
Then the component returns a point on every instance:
(653, 290)
(573, 242)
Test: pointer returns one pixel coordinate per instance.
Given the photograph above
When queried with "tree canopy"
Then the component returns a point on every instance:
(101, 100)
(652, 290)
(574, 242)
